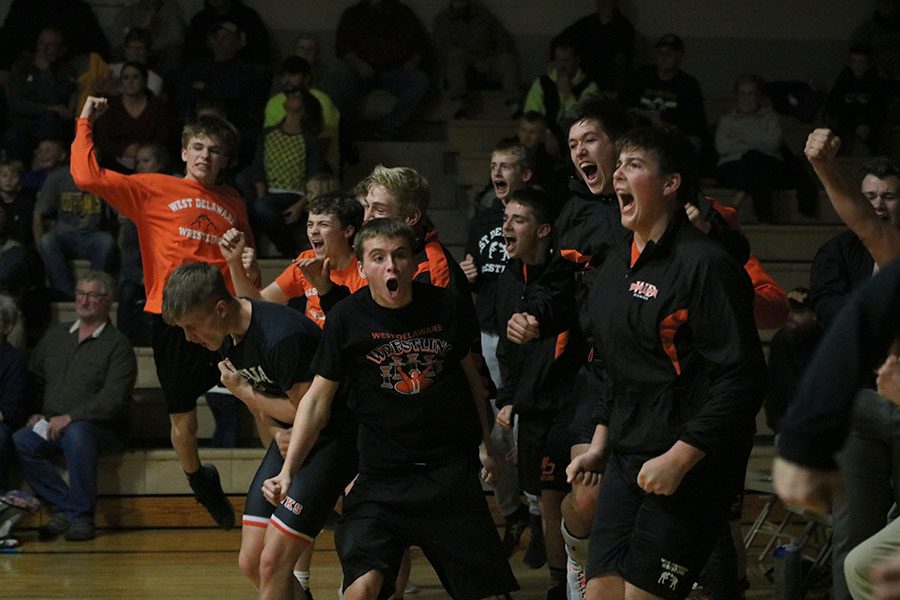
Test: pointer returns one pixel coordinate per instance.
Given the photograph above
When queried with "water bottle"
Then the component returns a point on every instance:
(788, 573)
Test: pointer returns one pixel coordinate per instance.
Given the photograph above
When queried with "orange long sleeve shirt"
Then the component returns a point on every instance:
(178, 220)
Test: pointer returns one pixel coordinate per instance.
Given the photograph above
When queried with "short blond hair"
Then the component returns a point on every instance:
(404, 184)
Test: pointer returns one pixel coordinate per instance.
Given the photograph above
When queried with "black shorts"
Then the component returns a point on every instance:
(315, 488)
(544, 449)
(658, 543)
(442, 510)
(589, 383)
(185, 370)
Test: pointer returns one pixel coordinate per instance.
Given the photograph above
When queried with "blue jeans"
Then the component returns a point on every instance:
(409, 85)
(57, 246)
(7, 456)
(80, 444)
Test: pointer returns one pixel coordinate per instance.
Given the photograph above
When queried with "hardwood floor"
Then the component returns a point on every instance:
(199, 564)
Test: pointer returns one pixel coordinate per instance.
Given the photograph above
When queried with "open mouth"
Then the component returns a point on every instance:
(626, 201)
(501, 187)
(317, 245)
(510, 243)
(392, 285)
(590, 171)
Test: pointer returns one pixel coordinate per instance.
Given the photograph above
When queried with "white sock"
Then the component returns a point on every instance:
(303, 578)
(576, 557)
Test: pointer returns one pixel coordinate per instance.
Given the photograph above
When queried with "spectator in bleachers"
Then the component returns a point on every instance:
(307, 47)
(50, 154)
(287, 155)
(161, 20)
(790, 352)
(77, 231)
(485, 261)
(14, 264)
(882, 32)
(39, 92)
(748, 140)
(469, 38)
(543, 149)
(868, 464)
(606, 41)
(85, 372)
(75, 19)
(137, 49)
(296, 74)
(664, 93)
(564, 84)
(258, 48)
(137, 116)
(228, 77)
(17, 202)
(382, 44)
(13, 391)
(856, 106)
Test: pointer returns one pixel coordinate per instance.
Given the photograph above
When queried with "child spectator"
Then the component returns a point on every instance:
(13, 399)
(748, 140)
(17, 202)
(856, 106)
(553, 93)
(286, 156)
(538, 378)
(49, 154)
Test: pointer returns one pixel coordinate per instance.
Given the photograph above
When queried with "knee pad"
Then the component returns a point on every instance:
(576, 548)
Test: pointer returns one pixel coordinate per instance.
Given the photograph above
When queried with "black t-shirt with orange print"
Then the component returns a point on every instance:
(409, 393)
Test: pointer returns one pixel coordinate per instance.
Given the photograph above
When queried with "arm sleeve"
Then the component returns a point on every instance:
(123, 192)
(770, 303)
(330, 361)
(111, 400)
(292, 358)
(721, 322)
(817, 420)
(552, 298)
(724, 144)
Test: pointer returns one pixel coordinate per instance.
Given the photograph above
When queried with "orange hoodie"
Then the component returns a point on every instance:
(178, 220)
